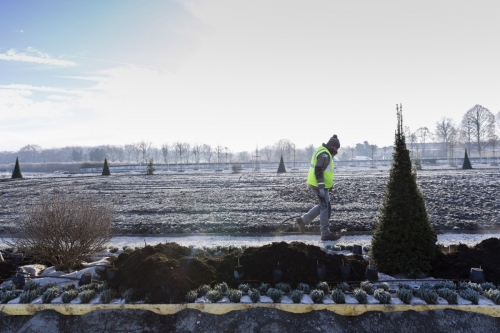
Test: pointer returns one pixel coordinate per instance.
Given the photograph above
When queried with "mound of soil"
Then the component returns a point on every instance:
(456, 265)
(166, 272)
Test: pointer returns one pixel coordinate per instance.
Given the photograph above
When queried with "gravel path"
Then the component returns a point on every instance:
(214, 202)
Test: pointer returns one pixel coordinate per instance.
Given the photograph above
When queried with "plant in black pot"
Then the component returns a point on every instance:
(277, 273)
(345, 270)
(371, 272)
(321, 270)
(476, 275)
(238, 271)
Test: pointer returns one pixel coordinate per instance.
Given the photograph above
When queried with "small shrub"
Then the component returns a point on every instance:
(31, 285)
(68, 286)
(476, 287)
(234, 295)
(191, 296)
(203, 290)
(90, 286)
(470, 294)
(46, 286)
(27, 296)
(338, 296)
(275, 295)
(463, 285)
(303, 287)
(264, 287)
(367, 286)
(445, 284)
(493, 295)
(428, 294)
(102, 287)
(69, 295)
(113, 249)
(382, 296)
(324, 287)
(344, 286)
(150, 169)
(360, 296)
(50, 294)
(384, 286)
(107, 295)
(128, 295)
(284, 287)
(127, 249)
(254, 295)
(488, 286)
(63, 229)
(244, 288)
(213, 296)
(405, 295)
(405, 286)
(86, 296)
(6, 296)
(296, 295)
(317, 296)
(222, 287)
(448, 294)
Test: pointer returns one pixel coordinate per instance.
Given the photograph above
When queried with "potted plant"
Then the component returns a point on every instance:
(321, 270)
(238, 271)
(277, 273)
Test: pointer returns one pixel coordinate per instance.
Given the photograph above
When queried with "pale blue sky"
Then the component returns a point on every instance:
(240, 73)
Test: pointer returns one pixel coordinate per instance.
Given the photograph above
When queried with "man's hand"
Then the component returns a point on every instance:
(322, 193)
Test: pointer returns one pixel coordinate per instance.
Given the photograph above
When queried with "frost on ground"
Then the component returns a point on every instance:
(208, 202)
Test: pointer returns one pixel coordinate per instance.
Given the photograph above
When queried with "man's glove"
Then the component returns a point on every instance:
(322, 192)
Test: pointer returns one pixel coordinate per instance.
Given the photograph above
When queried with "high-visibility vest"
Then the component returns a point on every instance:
(327, 174)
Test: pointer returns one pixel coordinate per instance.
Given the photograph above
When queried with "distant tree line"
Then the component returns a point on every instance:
(478, 131)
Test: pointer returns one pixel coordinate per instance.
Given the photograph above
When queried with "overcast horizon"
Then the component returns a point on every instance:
(241, 74)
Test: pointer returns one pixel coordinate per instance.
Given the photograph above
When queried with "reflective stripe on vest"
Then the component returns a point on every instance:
(327, 174)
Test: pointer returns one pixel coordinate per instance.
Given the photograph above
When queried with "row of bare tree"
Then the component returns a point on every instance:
(478, 130)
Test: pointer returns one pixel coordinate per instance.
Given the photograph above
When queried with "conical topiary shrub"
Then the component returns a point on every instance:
(105, 169)
(404, 240)
(281, 167)
(17, 170)
(466, 164)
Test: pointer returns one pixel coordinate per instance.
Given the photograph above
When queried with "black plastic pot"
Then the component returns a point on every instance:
(345, 271)
(476, 275)
(357, 249)
(371, 273)
(321, 273)
(111, 274)
(85, 279)
(18, 281)
(277, 274)
(238, 273)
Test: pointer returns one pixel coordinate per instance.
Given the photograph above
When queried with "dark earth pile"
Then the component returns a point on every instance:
(168, 271)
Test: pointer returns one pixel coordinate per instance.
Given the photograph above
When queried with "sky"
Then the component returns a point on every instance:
(241, 74)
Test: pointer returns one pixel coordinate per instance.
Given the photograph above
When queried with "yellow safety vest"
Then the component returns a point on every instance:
(327, 175)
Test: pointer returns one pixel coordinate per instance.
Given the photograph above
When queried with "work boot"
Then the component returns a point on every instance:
(330, 237)
(301, 224)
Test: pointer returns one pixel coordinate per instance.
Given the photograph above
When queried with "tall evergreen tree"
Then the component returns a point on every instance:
(466, 164)
(17, 170)
(404, 240)
(281, 167)
(105, 169)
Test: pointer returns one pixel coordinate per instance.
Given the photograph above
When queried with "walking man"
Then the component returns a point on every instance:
(320, 180)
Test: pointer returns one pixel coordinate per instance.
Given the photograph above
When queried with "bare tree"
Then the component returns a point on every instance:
(207, 152)
(443, 132)
(186, 148)
(144, 147)
(243, 157)
(267, 151)
(179, 151)
(219, 151)
(422, 134)
(30, 152)
(481, 123)
(197, 149)
(309, 150)
(411, 138)
(453, 141)
(165, 149)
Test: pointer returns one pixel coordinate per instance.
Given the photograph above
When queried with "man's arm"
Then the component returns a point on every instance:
(322, 163)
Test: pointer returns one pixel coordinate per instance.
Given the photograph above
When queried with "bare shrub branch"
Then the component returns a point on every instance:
(64, 229)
